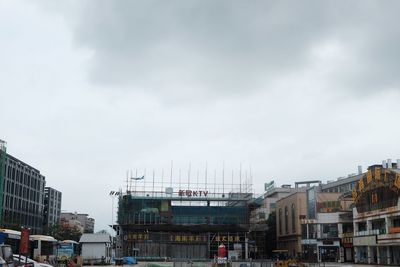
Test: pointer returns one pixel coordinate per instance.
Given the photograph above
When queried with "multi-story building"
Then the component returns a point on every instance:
(183, 224)
(81, 220)
(328, 228)
(22, 195)
(52, 206)
(377, 215)
(289, 211)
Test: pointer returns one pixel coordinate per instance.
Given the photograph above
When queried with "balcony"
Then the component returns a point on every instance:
(333, 234)
(370, 232)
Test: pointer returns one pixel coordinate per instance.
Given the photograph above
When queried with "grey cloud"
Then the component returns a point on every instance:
(181, 48)
(214, 45)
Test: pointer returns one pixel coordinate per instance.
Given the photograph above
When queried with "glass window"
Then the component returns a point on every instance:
(280, 221)
(286, 220)
(293, 218)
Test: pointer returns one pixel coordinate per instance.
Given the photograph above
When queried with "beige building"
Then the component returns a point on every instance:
(289, 212)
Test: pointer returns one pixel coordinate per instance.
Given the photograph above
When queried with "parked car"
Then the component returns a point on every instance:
(27, 262)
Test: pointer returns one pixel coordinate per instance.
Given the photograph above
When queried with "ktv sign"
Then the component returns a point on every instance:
(192, 193)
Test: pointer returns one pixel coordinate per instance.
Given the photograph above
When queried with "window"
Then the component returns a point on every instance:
(286, 220)
(280, 221)
(329, 230)
(293, 218)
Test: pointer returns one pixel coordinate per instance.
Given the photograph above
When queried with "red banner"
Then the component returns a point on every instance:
(24, 243)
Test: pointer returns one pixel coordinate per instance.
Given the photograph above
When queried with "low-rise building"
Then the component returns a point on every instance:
(328, 228)
(80, 220)
(377, 215)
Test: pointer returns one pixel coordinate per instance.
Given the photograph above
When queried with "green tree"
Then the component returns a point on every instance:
(271, 234)
(64, 232)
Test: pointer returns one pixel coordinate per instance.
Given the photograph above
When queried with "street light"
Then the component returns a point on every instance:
(113, 194)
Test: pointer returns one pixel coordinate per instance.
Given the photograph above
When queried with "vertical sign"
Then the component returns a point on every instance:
(24, 243)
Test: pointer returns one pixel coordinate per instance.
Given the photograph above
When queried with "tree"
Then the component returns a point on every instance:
(271, 233)
(64, 232)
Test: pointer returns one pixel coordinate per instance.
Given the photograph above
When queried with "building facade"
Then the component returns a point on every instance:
(289, 212)
(185, 224)
(328, 228)
(377, 215)
(22, 195)
(52, 206)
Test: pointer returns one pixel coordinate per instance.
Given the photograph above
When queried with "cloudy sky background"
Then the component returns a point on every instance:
(289, 90)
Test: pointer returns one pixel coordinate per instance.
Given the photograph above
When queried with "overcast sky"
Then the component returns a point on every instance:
(289, 90)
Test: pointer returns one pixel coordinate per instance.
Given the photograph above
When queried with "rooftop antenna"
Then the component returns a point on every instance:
(179, 178)
(127, 182)
(205, 175)
(153, 182)
(130, 180)
(135, 181)
(190, 167)
(215, 180)
(232, 183)
(172, 166)
(223, 177)
(144, 183)
(162, 178)
(240, 178)
(198, 174)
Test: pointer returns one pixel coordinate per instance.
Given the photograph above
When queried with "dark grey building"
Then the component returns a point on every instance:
(52, 206)
(22, 195)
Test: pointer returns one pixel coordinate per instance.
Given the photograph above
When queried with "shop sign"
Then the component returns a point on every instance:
(225, 238)
(192, 193)
(136, 237)
(364, 241)
(188, 238)
(269, 186)
(376, 177)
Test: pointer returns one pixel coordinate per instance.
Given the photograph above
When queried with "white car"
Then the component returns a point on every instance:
(29, 261)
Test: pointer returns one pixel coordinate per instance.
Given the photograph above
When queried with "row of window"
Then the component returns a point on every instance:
(341, 189)
(34, 222)
(17, 203)
(23, 197)
(293, 219)
(26, 192)
(33, 180)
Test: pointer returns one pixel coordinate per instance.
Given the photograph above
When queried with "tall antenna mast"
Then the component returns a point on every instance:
(205, 175)
(223, 177)
(240, 178)
(190, 167)
(127, 182)
(172, 166)
(162, 178)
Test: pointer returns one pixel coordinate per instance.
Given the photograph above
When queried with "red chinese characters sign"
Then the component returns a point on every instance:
(24, 243)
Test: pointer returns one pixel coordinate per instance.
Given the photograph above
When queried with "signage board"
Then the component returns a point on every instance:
(24, 242)
(269, 186)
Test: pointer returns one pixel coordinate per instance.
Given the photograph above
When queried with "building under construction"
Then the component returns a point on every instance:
(183, 223)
